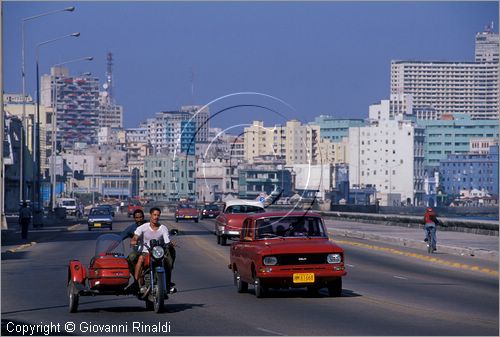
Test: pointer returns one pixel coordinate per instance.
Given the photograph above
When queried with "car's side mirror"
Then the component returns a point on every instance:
(247, 238)
(173, 231)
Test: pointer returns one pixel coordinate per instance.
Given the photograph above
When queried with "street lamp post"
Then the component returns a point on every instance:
(54, 128)
(36, 133)
(23, 80)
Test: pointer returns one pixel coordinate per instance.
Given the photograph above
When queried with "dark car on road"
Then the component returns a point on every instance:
(110, 208)
(100, 217)
(209, 211)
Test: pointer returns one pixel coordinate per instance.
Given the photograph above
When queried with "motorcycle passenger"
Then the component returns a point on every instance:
(153, 230)
(129, 233)
(431, 221)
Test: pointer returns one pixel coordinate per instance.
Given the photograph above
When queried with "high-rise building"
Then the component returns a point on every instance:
(76, 101)
(487, 49)
(453, 87)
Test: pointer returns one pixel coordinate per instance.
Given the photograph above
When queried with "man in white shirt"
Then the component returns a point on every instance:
(152, 230)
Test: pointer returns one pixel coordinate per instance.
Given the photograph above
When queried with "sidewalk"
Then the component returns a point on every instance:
(457, 243)
(11, 237)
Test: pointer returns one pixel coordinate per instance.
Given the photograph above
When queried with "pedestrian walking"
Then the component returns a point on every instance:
(24, 220)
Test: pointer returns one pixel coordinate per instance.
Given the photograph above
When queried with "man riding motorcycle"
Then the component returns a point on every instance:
(129, 233)
(149, 231)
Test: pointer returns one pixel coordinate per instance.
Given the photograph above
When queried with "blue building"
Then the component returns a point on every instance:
(188, 137)
(452, 135)
(254, 181)
(470, 171)
(334, 129)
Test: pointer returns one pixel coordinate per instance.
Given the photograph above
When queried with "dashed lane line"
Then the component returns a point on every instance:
(420, 257)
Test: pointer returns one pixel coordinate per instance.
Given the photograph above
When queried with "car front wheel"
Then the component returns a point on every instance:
(241, 286)
(335, 288)
(260, 289)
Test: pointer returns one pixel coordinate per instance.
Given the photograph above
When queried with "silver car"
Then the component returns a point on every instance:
(100, 218)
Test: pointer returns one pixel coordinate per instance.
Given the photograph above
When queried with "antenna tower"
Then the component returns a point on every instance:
(109, 77)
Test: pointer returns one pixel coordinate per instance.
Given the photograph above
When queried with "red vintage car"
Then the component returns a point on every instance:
(286, 250)
(228, 224)
(132, 206)
(186, 212)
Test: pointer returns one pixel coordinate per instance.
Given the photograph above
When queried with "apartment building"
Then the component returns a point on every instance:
(470, 171)
(216, 179)
(452, 134)
(178, 131)
(169, 178)
(388, 155)
(454, 87)
(334, 129)
(297, 143)
(75, 100)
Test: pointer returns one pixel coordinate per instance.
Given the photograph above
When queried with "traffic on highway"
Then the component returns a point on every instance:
(277, 284)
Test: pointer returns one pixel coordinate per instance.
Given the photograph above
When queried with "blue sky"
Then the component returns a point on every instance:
(314, 58)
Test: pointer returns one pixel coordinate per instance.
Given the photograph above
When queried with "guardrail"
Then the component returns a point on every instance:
(483, 227)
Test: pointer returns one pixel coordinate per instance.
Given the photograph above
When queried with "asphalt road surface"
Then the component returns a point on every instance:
(386, 292)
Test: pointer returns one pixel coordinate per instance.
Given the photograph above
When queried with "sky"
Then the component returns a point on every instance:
(269, 61)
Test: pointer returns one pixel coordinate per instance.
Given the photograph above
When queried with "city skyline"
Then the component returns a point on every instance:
(323, 58)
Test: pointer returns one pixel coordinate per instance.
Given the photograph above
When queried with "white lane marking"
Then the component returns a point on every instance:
(349, 265)
(271, 332)
(400, 277)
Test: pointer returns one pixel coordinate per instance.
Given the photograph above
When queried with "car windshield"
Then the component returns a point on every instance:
(185, 206)
(290, 226)
(212, 208)
(244, 209)
(99, 211)
(69, 203)
(109, 244)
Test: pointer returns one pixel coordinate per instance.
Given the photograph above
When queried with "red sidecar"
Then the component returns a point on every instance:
(108, 272)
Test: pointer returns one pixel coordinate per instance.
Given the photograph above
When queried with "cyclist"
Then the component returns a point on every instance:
(431, 221)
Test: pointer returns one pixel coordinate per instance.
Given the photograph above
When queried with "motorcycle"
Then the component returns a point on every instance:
(108, 273)
(154, 273)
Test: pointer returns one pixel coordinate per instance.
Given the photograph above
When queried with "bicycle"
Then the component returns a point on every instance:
(429, 241)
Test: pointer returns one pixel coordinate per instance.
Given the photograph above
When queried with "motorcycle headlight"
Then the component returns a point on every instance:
(334, 258)
(158, 252)
(270, 260)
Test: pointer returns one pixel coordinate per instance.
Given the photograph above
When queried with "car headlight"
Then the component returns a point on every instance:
(270, 261)
(158, 252)
(334, 258)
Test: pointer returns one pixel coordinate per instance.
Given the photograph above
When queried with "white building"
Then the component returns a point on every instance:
(454, 87)
(216, 179)
(314, 177)
(388, 154)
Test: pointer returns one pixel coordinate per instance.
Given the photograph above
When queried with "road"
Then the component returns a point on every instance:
(386, 292)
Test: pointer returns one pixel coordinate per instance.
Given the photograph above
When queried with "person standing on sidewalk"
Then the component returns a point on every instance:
(24, 220)
(430, 221)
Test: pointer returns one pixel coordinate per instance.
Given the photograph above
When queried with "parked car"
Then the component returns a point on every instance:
(228, 224)
(283, 250)
(132, 206)
(209, 211)
(110, 208)
(100, 217)
(186, 212)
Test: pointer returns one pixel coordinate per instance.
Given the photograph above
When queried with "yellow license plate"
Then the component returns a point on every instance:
(97, 225)
(303, 277)
(188, 216)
